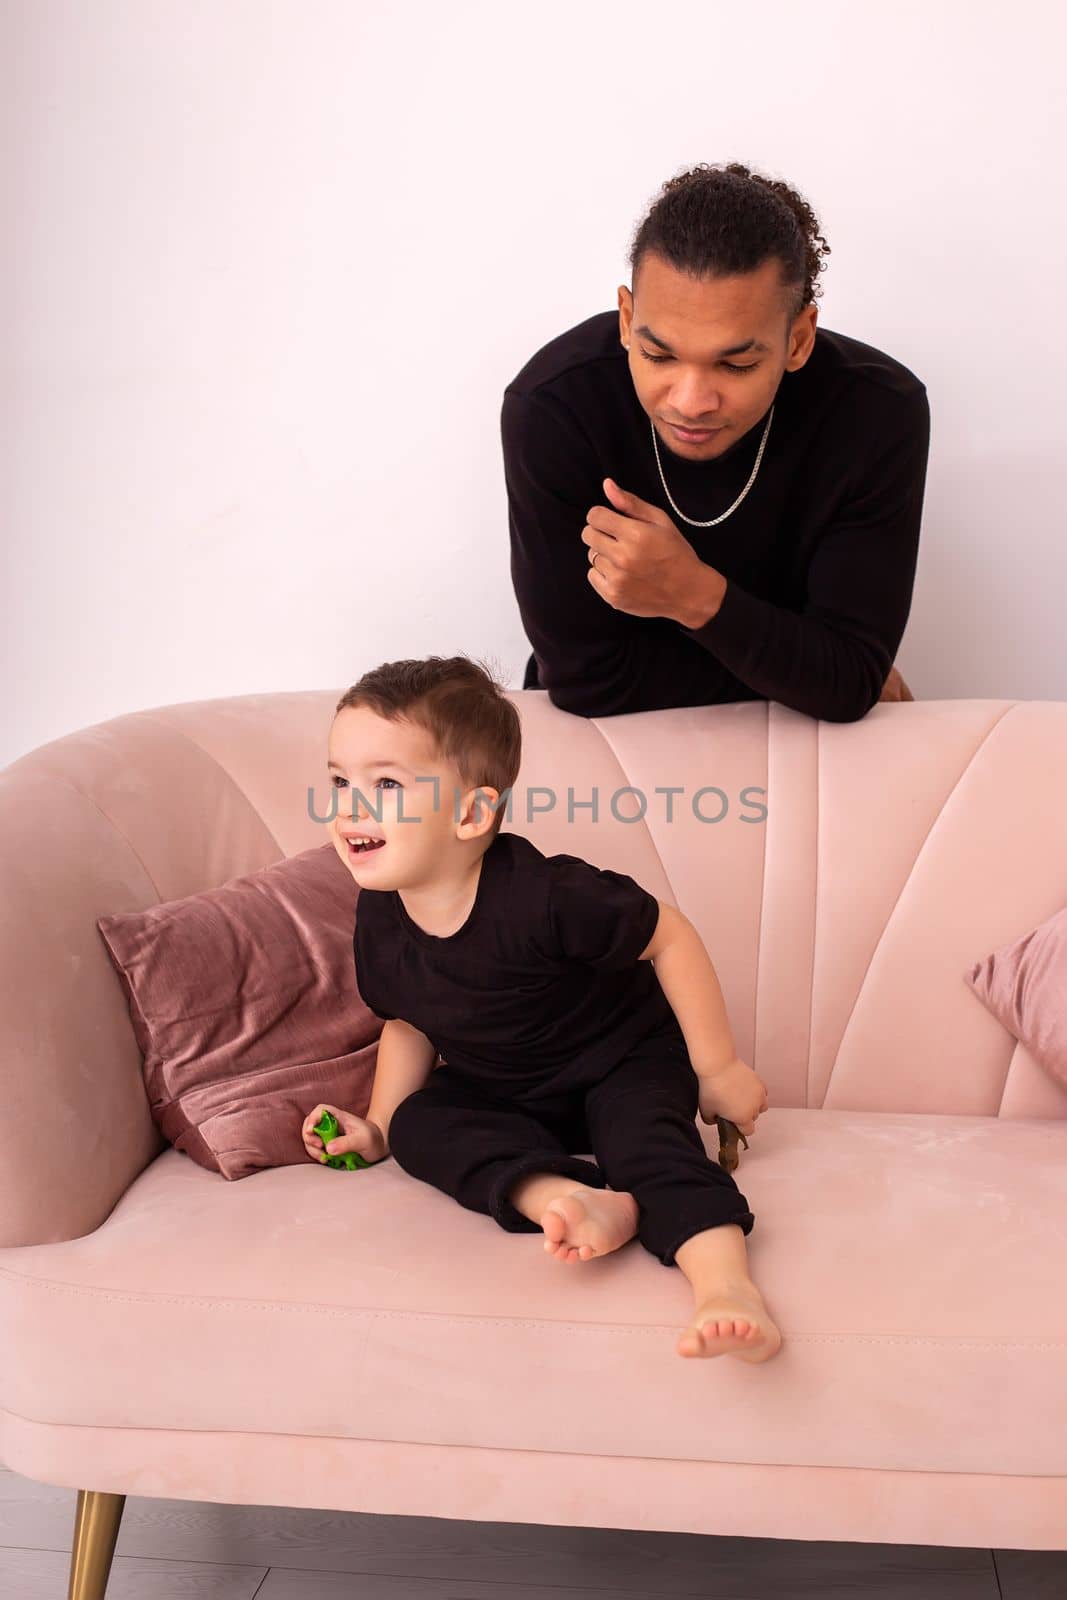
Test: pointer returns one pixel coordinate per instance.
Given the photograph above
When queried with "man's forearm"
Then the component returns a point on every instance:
(704, 599)
(689, 980)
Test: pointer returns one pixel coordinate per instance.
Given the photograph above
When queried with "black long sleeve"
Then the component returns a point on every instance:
(831, 659)
(593, 660)
(819, 560)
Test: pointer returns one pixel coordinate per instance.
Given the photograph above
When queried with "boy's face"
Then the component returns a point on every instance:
(375, 766)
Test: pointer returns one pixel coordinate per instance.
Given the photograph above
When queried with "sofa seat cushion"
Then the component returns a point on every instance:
(914, 1264)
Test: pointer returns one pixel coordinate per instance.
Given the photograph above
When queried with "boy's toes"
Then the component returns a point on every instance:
(553, 1226)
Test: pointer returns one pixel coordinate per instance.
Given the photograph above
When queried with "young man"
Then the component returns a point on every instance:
(770, 555)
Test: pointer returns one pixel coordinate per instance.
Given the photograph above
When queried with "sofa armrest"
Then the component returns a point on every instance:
(75, 1125)
(144, 808)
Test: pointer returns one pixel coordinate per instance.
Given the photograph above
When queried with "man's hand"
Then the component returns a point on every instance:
(643, 564)
(895, 688)
(734, 1092)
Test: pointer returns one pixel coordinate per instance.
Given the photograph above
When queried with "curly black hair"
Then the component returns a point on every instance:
(715, 221)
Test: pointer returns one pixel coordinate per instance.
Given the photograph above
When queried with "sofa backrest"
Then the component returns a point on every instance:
(843, 877)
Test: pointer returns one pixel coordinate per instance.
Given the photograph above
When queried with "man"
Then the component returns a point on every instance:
(771, 556)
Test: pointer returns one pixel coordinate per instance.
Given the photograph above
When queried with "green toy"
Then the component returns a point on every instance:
(328, 1128)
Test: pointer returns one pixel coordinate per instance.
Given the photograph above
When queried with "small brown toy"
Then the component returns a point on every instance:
(729, 1133)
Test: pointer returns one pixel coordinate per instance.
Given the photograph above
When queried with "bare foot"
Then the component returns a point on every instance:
(588, 1222)
(732, 1322)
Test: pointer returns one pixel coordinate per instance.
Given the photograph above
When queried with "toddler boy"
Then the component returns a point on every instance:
(532, 977)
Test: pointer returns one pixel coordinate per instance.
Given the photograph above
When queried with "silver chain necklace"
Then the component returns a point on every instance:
(712, 520)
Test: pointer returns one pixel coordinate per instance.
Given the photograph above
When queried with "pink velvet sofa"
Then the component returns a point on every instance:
(361, 1342)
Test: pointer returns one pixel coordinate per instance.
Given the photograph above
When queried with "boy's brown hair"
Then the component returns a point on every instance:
(472, 724)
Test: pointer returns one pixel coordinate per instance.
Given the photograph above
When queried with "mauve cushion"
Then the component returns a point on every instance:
(244, 1003)
(1025, 987)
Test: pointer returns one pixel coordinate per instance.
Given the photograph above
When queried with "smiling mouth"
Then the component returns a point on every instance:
(355, 849)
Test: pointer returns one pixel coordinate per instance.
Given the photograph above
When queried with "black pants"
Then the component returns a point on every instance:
(639, 1121)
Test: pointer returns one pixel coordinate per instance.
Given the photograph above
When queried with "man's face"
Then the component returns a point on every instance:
(691, 373)
(374, 764)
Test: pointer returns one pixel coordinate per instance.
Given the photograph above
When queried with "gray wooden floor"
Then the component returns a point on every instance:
(177, 1550)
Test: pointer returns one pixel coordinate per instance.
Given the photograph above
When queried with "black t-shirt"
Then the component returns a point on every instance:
(819, 557)
(540, 991)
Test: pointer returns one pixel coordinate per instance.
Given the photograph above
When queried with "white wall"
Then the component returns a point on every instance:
(240, 238)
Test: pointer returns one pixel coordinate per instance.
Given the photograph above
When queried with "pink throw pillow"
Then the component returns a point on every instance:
(244, 1004)
(1025, 987)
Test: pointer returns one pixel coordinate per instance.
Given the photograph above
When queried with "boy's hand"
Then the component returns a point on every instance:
(734, 1092)
(357, 1134)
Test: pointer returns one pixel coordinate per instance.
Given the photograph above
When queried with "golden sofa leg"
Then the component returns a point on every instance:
(96, 1528)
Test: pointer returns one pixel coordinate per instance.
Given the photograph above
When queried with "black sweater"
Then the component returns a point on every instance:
(819, 557)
